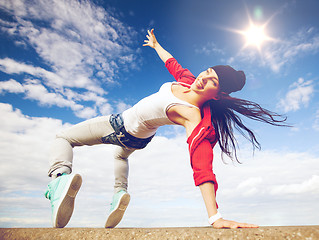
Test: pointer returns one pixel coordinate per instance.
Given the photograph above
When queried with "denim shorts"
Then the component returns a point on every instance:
(121, 137)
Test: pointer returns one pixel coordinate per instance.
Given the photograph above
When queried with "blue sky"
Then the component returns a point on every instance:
(62, 62)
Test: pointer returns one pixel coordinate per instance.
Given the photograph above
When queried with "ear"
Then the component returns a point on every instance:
(221, 95)
(218, 96)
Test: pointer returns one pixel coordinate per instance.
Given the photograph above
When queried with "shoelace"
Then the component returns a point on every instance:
(50, 190)
(48, 193)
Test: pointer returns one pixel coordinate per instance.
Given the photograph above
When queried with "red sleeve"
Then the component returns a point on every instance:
(202, 164)
(180, 74)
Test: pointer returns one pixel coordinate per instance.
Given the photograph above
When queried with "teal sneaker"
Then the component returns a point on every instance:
(118, 207)
(61, 192)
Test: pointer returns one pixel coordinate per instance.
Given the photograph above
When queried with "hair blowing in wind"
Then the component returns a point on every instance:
(225, 119)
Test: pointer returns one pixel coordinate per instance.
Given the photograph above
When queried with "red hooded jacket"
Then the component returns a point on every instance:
(203, 138)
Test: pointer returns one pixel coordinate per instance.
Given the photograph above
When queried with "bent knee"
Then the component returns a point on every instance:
(119, 156)
(121, 153)
(63, 137)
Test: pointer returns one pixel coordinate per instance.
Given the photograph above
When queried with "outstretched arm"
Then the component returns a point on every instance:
(201, 160)
(153, 43)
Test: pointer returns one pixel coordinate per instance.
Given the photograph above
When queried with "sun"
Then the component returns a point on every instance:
(255, 35)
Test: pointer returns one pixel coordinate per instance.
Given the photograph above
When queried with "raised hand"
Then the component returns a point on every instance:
(151, 39)
(152, 42)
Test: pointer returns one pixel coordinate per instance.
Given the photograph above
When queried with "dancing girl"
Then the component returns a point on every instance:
(201, 104)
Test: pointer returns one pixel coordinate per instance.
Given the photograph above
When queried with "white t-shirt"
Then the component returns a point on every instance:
(144, 118)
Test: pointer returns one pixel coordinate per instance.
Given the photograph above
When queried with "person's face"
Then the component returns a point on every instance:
(207, 84)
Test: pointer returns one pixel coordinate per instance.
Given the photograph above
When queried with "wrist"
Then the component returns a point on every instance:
(157, 46)
(214, 218)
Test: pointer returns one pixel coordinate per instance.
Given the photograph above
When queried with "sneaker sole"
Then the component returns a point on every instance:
(117, 214)
(66, 206)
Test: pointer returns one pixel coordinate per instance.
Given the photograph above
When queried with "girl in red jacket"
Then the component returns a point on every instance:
(201, 104)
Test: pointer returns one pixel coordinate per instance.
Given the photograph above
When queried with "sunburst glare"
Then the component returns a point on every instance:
(255, 35)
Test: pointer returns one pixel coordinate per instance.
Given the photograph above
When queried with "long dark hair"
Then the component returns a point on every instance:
(225, 119)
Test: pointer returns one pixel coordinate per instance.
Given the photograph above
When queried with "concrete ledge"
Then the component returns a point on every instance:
(294, 232)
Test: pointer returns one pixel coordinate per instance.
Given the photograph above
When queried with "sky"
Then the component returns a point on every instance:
(62, 62)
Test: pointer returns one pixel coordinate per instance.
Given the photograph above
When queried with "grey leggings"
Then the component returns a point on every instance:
(90, 133)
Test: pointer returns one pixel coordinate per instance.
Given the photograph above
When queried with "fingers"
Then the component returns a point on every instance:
(147, 42)
(150, 38)
(241, 225)
(150, 33)
(251, 225)
(233, 224)
(245, 225)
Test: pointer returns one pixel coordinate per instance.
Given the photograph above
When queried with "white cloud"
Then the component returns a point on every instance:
(80, 37)
(284, 52)
(11, 86)
(309, 185)
(160, 182)
(279, 53)
(10, 66)
(267, 173)
(24, 145)
(252, 191)
(34, 90)
(209, 48)
(304, 42)
(80, 45)
(122, 106)
(86, 113)
(299, 94)
(250, 186)
(106, 109)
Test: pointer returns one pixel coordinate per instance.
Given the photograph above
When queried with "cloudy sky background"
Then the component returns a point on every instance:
(62, 62)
